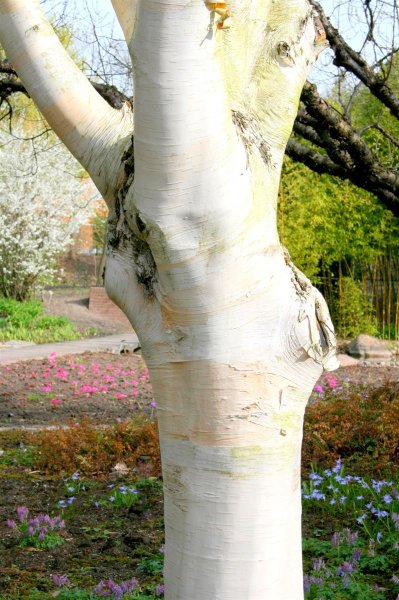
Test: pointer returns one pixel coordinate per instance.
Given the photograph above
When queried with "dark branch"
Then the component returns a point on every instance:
(322, 164)
(352, 61)
(346, 148)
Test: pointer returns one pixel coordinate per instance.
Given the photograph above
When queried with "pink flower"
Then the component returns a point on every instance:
(135, 392)
(318, 388)
(55, 401)
(120, 396)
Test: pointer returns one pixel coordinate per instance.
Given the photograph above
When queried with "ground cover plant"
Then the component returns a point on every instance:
(91, 490)
(27, 321)
(105, 387)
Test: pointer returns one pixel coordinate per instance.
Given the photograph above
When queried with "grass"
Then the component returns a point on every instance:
(27, 321)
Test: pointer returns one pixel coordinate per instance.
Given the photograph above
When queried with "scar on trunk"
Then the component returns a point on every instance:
(126, 236)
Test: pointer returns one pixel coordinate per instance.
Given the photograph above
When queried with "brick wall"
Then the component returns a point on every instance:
(100, 304)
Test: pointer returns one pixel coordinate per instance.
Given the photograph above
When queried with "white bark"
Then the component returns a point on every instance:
(234, 336)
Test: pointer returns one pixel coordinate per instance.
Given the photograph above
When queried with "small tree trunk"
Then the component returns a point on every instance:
(231, 451)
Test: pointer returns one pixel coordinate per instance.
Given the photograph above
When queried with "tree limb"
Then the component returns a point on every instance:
(322, 164)
(74, 110)
(352, 61)
(344, 145)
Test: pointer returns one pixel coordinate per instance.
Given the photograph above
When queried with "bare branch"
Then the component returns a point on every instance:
(352, 61)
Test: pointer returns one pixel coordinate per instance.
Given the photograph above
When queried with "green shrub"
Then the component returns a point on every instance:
(19, 314)
(353, 311)
(26, 321)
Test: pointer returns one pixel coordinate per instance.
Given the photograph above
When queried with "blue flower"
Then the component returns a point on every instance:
(318, 495)
(361, 518)
(338, 466)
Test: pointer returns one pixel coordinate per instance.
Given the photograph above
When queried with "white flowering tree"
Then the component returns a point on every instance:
(42, 203)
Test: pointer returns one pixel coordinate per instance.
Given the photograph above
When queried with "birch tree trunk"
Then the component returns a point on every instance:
(233, 334)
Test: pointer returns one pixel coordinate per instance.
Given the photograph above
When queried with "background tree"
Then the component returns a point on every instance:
(42, 204)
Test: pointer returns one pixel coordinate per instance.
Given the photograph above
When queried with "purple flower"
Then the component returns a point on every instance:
(11, 524)
(310, 580)
(117, 590)
(160, 590)
(356, 556)
(99, 588)
(345, 569)
(153, 404)
(318, 564)
(60, 580)
(351, 537)
(22, 513)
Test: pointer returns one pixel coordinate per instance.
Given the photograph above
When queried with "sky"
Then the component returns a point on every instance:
(106, 23)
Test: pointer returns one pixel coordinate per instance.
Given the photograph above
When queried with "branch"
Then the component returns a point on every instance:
(345, 146)
(319, 163)
(126, 14)
(11, 85)
(352, 61)
(322, 164)
(76, 112)
(383, 131)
